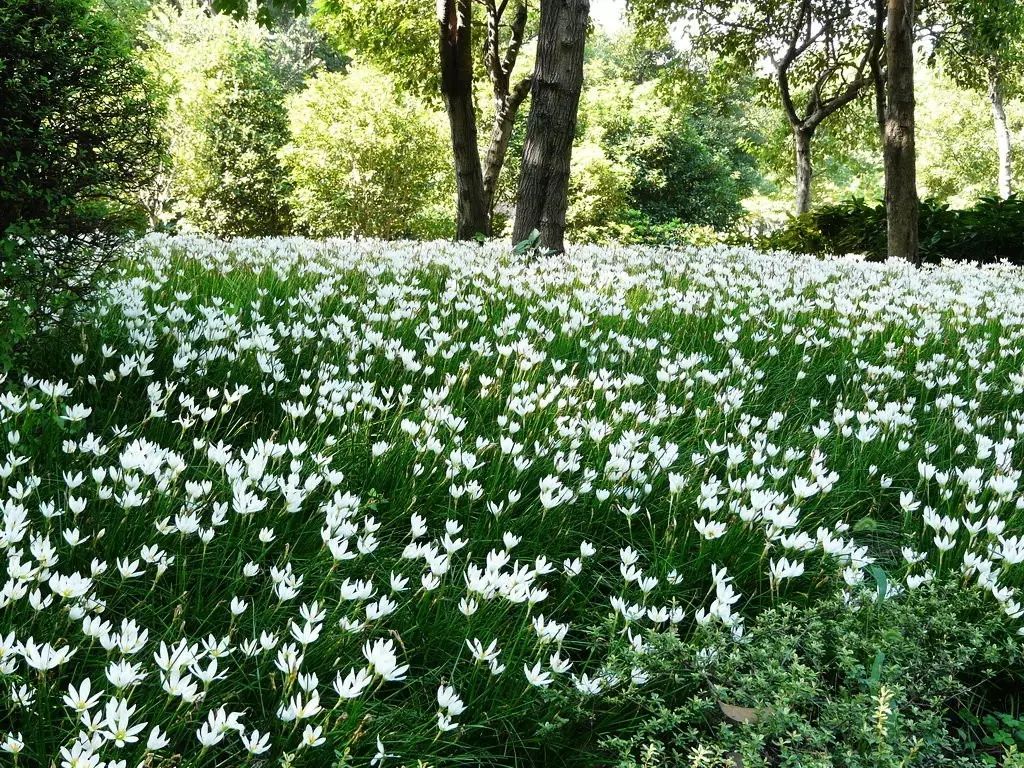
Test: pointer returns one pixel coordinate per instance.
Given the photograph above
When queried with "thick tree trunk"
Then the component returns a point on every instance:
(555, 97)
(456, 51)
(1003, 143)
(901, 203)
(804, 169)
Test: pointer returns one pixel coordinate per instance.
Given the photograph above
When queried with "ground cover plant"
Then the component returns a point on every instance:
(366, 503)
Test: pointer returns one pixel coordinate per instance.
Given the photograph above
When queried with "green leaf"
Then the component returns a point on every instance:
(876, 668)
(881, 580)
(865, 524)
(528, 244)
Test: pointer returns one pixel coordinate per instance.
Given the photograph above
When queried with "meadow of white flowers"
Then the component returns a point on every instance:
(361, 503)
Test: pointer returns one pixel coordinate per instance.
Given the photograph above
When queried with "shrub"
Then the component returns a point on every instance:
(366, 160)
(988, 232)
(599, 202)
(834, 684)
(227, 121)
(644, 172)
(77, 139)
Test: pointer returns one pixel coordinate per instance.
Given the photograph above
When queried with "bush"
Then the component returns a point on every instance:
(78, 138)
(227, 121)
(646, 172)
(365, 160)
(988, 232)
(835, 685)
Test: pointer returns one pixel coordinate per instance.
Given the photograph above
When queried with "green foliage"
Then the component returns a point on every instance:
(299, 51)
(265, 12)
(226, 121)
(77, 139)
(398, 37)
(846, 151)
(987, 232)
(365, 159)
(956, 149)
(833, 684)
(995, 732)
(647, 168)
(974, 37)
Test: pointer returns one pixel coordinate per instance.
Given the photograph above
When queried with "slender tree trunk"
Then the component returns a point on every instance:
(878, 75)
(555, 97)
(501, 133)
(901, 203)
(456, 51)
(804, 169)
(1005, 146)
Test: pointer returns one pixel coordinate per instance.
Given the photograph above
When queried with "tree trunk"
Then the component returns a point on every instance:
(501, 133)
(877, 70)
(901, 204)
(804, 170)
(456, 51)
(555, 97)
(995, 95)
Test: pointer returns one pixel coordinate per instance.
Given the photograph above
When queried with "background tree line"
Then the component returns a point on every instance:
(703, 120)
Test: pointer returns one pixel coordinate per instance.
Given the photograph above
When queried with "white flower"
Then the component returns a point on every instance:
(710, 530)
(157, 739)
(537, 676)
(82, 698)
(382, 659)
(353, 684)
(116, 726)
(449, 701)
(313, 736)
(784, 569)
(255, 743)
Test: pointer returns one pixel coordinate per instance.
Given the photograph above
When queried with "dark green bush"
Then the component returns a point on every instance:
(78, 139)
(910, 681)
(990, 231)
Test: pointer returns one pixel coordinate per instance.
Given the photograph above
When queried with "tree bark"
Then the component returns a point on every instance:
(1003, 143)
(901, 203)
(456, 52)
(555, 96)
(804, 169)
(878, 75)
(501, 133)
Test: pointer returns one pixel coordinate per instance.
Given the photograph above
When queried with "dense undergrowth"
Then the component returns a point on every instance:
(990, 231)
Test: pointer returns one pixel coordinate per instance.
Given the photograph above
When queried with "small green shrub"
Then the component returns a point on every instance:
(836, 685)
(647, 171)
(366, 160)
(989, 231)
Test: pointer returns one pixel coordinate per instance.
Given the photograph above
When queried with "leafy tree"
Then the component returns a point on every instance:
(443, 56)
(455, 36)
(266, 12)
(823, 55)
(398, 37)
(365, 159)
(227, 120)
(981, 42)
(78, 138)
(953, 165)
(542, 199)
(646, 167)
(901, 202)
